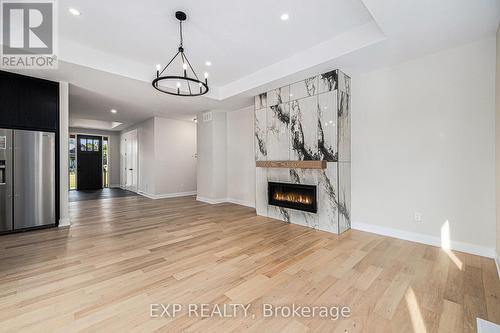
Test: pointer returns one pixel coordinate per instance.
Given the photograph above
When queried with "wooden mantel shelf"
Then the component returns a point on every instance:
(292, 164)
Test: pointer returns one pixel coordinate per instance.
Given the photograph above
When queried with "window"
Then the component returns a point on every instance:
(83, 144)
(96, 144)
(72, 162)
(105, 164)
(72, 145)
(90, 145)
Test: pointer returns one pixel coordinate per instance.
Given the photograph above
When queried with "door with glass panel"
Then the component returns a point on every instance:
(89, 166)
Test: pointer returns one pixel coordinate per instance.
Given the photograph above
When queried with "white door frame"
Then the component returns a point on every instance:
(110, 138)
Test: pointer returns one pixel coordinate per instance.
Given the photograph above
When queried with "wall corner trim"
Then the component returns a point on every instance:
(425, 239)
(497, 262)
(63, 223)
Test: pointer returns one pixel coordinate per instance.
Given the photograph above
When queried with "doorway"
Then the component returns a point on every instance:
(89, 166)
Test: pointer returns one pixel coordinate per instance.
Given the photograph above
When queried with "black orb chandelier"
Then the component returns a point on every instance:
(192, 86)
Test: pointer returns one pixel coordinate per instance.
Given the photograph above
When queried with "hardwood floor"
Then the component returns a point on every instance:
(105, 193)
(123, 254)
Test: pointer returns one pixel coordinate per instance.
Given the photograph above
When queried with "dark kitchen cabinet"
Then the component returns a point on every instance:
(28, 103)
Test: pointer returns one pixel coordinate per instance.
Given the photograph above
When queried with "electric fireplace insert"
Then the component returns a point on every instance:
(294, 196)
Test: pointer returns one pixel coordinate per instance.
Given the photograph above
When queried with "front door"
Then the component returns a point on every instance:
(89, 162)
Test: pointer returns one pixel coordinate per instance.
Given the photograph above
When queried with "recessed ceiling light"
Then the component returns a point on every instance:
(208, 63)
(75, 11)
(113, 111)
(284, 17)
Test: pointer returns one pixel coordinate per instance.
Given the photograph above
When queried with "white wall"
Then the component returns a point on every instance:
(166, 154)
(497, 147)
(240, 181)
(204, 147)
(423, 135)
(226, 159)
(114, 151)
(63, 154)
(220, 157)
(146, 156)
(211, 150)
(175, 149)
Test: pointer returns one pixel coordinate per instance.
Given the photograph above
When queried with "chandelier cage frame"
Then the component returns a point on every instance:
(202, 86)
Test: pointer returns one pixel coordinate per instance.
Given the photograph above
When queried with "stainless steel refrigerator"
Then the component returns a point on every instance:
(27, 179)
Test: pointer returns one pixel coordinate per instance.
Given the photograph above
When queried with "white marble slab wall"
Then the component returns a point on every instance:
(307, 120)
(344, 151)
(260, 128)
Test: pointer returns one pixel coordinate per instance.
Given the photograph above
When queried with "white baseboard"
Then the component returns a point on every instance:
(424, 239)
(115, 186)
(166, 195)
(126, 189)
(210, 201)
(226, 200)
(241, 202)
(64, 223)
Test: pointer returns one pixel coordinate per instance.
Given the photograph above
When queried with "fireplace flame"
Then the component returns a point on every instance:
(293, 197)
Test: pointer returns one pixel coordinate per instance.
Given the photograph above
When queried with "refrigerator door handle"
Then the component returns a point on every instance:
(6, 197)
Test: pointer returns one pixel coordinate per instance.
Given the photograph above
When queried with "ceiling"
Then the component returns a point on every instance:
(108, 54)
(238, 37)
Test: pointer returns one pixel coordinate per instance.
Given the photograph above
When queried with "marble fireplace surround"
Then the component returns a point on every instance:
(302, 136)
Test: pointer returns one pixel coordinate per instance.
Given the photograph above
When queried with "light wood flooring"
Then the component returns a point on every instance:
(123, 254)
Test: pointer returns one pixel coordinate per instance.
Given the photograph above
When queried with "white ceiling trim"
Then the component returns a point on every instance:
(353, 40)
(78, 54)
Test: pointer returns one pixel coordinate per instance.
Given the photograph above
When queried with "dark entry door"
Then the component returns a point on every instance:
(89, 162)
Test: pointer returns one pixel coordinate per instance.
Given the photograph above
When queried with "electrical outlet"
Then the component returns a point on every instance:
(417, 216)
